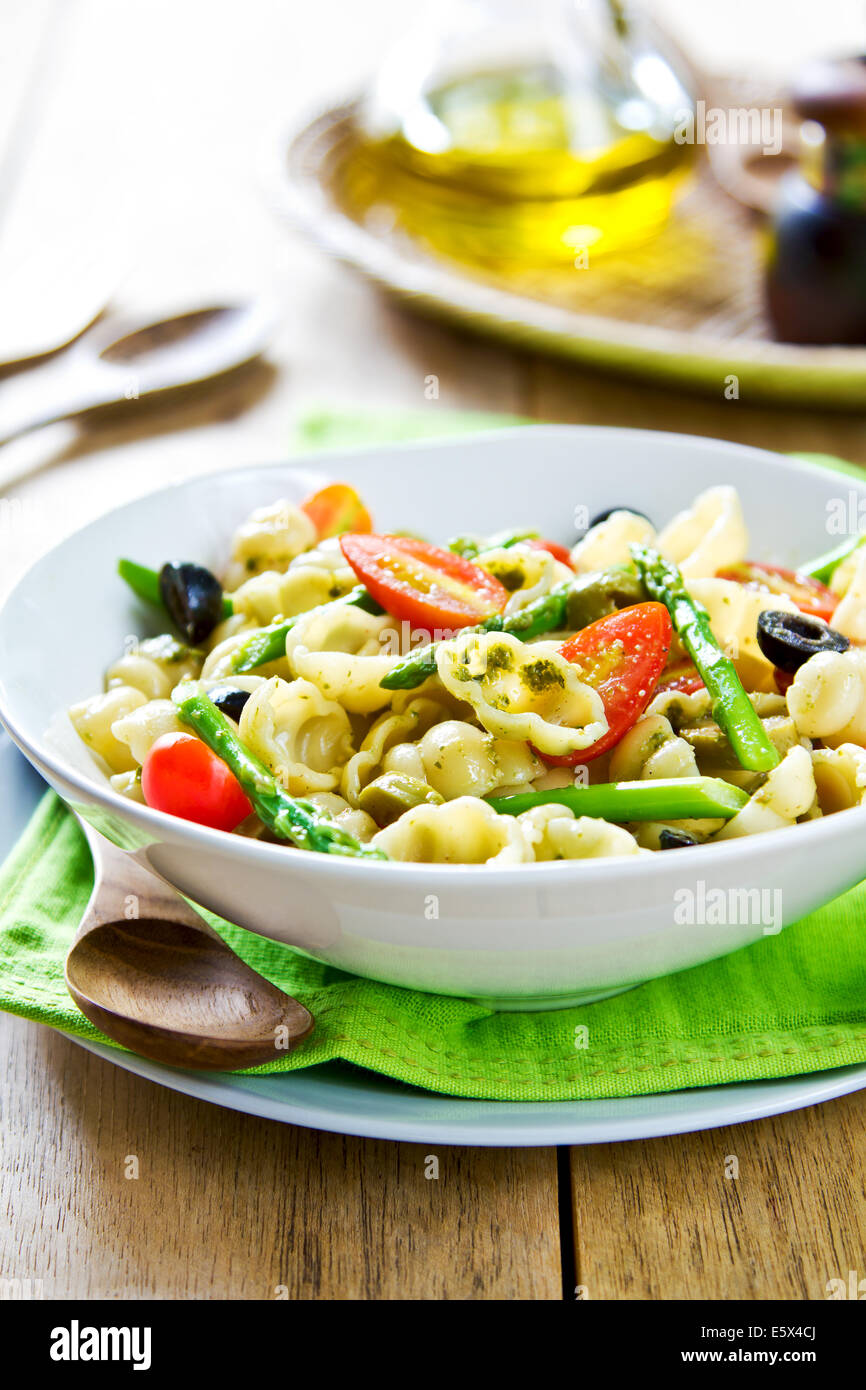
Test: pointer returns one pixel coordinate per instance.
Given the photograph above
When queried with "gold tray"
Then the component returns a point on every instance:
(684, 309)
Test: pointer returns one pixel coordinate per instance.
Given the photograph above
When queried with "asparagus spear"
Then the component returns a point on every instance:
(145, 583)
(292, 819)
(733, 711)
(470, 547)
(269, 643)
(664, 798)
(543, 615)
(822, 568)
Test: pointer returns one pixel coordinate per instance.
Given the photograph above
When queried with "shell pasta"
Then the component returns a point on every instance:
(501, 701)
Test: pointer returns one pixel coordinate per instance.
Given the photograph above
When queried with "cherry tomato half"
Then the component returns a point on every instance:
(809, 595)
(622, 657)
(432, 589)
(335, 509)
(559, 552)
(183, 777)
(682, 677)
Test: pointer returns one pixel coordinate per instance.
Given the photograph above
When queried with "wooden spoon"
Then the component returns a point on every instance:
(116, 362)
(154, 976)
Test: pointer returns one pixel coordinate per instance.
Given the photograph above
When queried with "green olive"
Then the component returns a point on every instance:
(388, 796)
(598, 594)
(712, 747)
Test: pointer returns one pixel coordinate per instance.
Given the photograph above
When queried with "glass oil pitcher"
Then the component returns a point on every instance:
(525, 132)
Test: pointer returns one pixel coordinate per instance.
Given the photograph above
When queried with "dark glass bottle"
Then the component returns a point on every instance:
(816, 272)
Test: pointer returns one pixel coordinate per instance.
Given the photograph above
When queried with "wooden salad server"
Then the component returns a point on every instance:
(116, 362)
(151, 973)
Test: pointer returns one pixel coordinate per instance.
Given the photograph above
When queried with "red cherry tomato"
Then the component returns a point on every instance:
(682, 677)
(335, 509)
(183, 777)
(622, 657)
(432, 589)
(559, 552)
(809, 595)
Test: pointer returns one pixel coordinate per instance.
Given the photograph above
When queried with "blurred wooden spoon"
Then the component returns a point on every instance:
(116, 362)
(163, 983)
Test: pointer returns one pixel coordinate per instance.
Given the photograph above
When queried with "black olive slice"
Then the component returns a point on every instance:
(675, 839)
(790, 639)
(231, 701)
(603, 516)
(193, 597)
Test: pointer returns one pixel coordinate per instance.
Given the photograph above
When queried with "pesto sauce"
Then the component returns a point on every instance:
(540, 675)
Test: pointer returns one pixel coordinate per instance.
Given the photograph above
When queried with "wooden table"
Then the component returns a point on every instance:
(161, 110)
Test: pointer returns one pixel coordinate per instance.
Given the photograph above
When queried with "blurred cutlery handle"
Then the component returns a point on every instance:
(49, 393)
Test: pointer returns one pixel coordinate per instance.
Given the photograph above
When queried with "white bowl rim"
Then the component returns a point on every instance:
(252, 851)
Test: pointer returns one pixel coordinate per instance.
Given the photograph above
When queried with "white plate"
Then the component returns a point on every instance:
(348, 1101)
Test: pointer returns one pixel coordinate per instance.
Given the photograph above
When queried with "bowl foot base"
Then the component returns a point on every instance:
(540, 1003)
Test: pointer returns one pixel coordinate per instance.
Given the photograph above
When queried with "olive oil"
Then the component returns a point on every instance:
(514, 169)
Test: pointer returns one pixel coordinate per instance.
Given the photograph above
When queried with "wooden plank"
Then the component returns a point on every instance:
(662, 1220)
(227, 1206)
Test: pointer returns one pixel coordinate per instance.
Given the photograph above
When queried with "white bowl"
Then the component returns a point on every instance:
(527, 936)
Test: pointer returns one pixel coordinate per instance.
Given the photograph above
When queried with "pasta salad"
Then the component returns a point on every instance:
(501, 699)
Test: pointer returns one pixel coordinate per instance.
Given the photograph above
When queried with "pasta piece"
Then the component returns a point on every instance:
(827, 697)
(432, 689)
(650, 749)
(465, 831)
(269, 539)
(232, 626)
(272, 595)
(525, 572)
(711, 535)
(304, 738)
(339, 649)
(679, 708)
(850, 615)
(523, 692)
(551, 779)
(554, 832)
(314, 577)
(842, 575)
(788, 792)
(840, 777)
(93, 720)
(129, 785)
(460, 760)
(327, 555)
(405, 758)
(154, 666)
(607, 544)
(140, 729)
(349, 818)
(389, 729)
(733, 611)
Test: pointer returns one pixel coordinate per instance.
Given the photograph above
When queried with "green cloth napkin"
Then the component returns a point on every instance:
(789, 1004)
